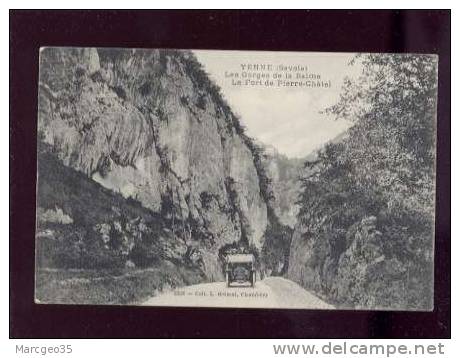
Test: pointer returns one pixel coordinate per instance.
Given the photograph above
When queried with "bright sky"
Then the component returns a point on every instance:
(286, 118)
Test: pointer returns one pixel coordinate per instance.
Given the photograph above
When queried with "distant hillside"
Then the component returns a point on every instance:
(285, 174)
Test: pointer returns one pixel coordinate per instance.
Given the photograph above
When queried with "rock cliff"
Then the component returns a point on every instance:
(151, 126)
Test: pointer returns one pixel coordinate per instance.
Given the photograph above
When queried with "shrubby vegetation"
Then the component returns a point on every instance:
(95, 246)
(97, 228)
(367, 204)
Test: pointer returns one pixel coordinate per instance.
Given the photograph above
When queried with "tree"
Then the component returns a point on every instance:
(383, 169)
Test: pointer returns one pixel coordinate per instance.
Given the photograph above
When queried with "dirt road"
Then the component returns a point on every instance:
(272, 292)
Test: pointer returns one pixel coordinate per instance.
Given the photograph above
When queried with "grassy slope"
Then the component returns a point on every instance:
(123, 286)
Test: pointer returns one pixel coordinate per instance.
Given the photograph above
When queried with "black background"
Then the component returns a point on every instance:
(346, 31)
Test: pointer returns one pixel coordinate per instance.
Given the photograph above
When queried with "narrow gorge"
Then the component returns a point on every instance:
(147, 179)
(139, 150)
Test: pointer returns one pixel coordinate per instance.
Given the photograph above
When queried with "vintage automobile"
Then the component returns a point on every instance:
(240, 269)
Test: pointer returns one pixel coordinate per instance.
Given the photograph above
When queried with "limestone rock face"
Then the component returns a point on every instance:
(152, 127)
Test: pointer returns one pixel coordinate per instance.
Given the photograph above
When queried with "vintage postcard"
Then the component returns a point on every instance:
(236, 179)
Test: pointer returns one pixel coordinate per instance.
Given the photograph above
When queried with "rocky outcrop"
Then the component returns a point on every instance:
(151, 126)
(351, 278)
